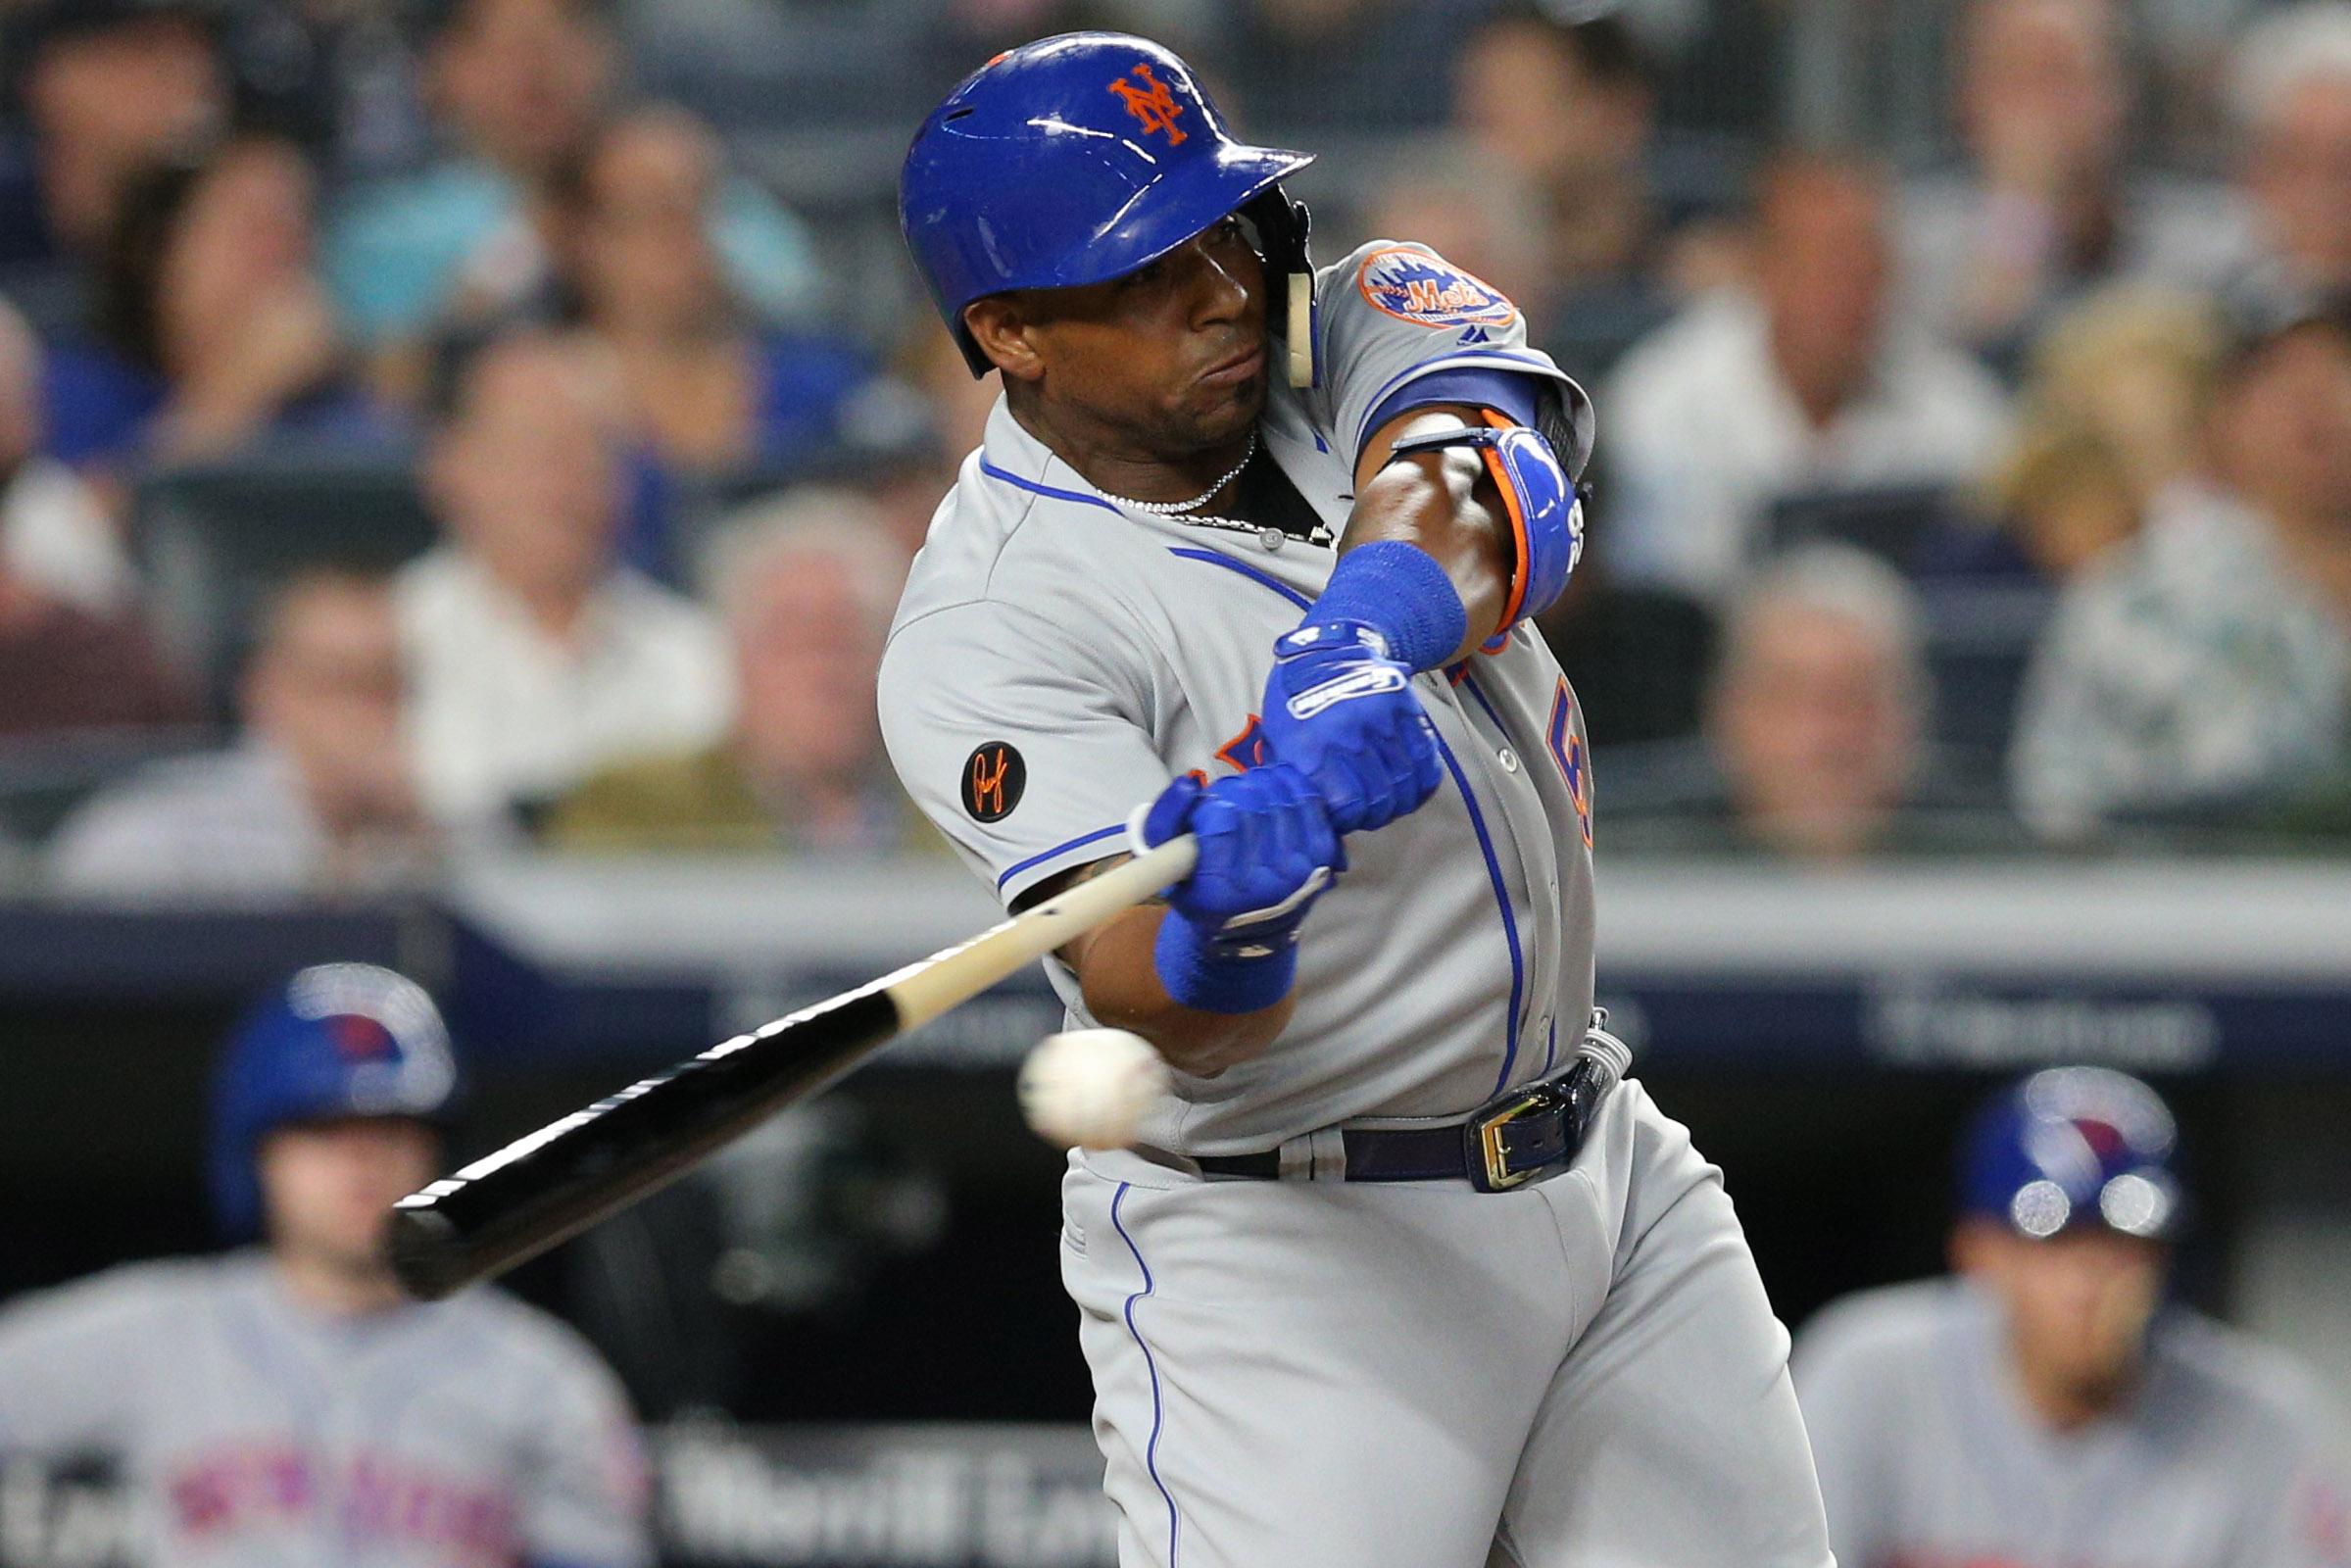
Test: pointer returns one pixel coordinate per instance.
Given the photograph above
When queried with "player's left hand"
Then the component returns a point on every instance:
(1268, 850)
(1344, 714)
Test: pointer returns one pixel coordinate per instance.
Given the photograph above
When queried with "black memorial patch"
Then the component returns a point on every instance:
(993, 778)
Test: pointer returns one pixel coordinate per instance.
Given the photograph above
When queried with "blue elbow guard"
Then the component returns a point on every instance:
(1546, 516)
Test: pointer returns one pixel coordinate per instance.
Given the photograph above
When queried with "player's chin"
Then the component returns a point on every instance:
(1221, 411)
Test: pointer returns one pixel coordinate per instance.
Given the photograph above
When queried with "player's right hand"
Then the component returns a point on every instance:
(1345, 715)
(1268, 850)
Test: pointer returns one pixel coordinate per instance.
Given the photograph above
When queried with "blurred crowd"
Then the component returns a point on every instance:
(429, 424)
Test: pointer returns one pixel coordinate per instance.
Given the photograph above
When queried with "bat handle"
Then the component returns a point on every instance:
(924, 991)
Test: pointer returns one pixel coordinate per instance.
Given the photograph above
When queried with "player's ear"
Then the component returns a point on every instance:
(1001, 331)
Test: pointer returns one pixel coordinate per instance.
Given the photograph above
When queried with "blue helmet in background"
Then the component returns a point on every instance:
(1075, 160)
(337, 1040)
(2073, 1148)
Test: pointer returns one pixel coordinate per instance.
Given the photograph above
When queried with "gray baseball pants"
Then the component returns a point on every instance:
(1580, 1374)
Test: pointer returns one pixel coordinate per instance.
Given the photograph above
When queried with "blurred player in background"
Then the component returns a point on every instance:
(286, 1405)
(2047, 1407)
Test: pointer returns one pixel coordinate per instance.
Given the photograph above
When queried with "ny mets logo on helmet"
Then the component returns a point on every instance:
(1412, 285)
(1151, 103)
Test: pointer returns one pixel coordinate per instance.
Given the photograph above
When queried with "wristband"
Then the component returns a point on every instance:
(1209, 970)
(1399, 591)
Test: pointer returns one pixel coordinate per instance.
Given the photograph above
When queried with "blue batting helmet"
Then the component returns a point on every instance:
(1075, 160)
(2072, 1147)
(336, 1040)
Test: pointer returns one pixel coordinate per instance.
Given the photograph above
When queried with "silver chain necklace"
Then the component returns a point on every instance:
(1173, 509)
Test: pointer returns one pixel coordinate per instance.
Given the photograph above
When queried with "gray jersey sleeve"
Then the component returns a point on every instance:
(73, 1360)
(584, 1498)
(1033, 755)
(1391, 313)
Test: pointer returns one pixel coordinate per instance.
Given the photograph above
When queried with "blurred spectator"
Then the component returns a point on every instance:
(2047, 1405)
(708, 388)
(2047, 204)
(56, 539)
(535, 658)
(2206, 666)
(806, 585)
(73, 652)
(960, 402)
(2134, 364)
(286, 1402)
(1817, 709)
(212, 326)
(2063, 498)
(520, 85)
(2111, 413)
(953, 405)
(314, 800)
(1565, 111)
(1806, 384)
(1568, 110)
(1815, 723)
(2290, 95)
(1377, 65)
(106, 87)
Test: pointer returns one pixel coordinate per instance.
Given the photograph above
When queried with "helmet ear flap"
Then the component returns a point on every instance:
(979, 361)
(1282, 228)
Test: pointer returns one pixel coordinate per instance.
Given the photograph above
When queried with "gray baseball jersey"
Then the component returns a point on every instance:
(1057, 658)
(1928, 1457)
(1302, 1371)
(254, 1431)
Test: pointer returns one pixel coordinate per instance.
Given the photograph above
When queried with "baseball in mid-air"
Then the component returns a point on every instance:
(1091, 1086)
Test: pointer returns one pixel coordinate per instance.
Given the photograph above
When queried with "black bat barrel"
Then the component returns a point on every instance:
(555, 1182)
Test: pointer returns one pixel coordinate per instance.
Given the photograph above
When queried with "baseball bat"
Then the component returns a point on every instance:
(549, 1185)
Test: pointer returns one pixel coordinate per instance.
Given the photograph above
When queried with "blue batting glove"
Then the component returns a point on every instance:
(1268, 850)
(1342, 713)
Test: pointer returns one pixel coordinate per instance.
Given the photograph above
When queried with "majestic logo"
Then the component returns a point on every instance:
(1412, 285)
(1151, 103)
(993, 780)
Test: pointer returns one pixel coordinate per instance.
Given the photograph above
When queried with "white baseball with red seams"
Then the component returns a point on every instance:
(1091, 1088)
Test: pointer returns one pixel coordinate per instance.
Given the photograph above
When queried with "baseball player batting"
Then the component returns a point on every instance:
(1360, 1294)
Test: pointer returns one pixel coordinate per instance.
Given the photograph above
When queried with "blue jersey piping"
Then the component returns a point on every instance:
(1246, 571)
(1469, 799)
(1043, 855)
(1033, 487)
(1151, 1448)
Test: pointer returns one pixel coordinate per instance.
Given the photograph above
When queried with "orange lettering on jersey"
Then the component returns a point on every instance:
(1248, 749)
(1150, 103)
(1567, 749)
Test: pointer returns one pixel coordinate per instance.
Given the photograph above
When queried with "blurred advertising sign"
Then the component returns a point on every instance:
(954, 1494)
(962, 1495)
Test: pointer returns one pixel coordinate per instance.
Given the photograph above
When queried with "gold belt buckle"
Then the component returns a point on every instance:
(1499, 1178)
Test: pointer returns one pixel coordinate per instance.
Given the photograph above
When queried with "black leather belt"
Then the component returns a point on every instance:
(1514, 1138)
